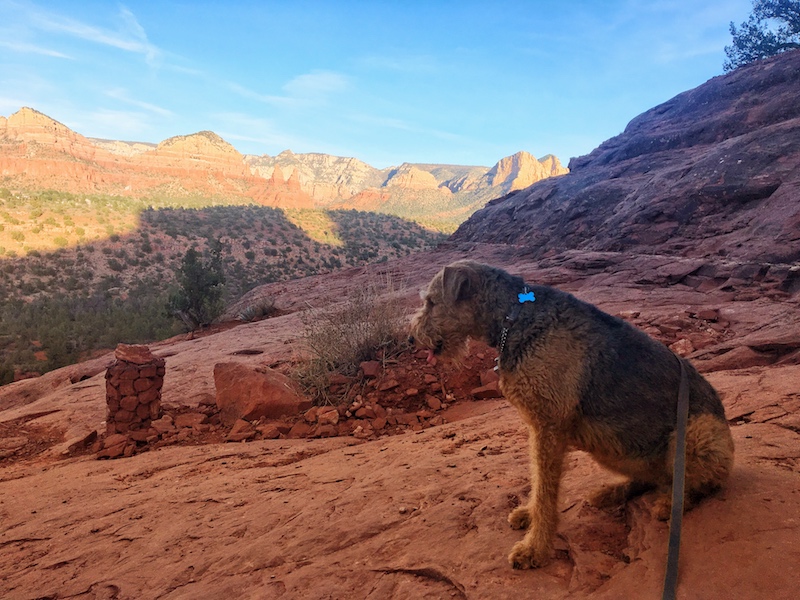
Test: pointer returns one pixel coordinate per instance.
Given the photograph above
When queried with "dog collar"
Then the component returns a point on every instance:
(526, 296)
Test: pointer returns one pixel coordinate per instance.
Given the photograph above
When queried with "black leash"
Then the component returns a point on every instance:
(678, 485)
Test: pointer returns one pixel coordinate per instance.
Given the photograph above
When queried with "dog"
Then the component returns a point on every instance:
(580, 379)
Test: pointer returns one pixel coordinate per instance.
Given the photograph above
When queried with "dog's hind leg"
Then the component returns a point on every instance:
(709, 460)
(540, 515)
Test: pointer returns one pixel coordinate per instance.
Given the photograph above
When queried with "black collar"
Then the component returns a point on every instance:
(526, 296)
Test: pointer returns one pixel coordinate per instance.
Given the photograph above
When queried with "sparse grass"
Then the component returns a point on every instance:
(368, 325)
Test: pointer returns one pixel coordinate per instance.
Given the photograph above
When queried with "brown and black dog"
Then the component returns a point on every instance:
(583, 379)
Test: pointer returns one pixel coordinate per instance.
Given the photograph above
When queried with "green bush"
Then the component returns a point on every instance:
(199, 297)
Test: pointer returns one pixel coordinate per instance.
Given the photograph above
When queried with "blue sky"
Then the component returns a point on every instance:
(388, 82)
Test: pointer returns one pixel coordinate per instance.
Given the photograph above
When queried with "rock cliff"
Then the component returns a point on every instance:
(714, 171)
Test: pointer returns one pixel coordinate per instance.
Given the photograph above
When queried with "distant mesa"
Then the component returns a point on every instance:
(38, 152)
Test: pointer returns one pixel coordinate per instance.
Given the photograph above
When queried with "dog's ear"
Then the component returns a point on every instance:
(459, 282)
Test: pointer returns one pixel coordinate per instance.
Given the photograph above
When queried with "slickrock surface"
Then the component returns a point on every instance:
(400, 514)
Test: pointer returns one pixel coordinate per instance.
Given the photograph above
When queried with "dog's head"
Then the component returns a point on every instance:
(448, 314)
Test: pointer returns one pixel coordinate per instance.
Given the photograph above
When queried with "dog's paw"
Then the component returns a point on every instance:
(520, 518)
(524, 556)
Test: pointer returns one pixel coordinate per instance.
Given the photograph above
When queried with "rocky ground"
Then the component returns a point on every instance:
(415, 508)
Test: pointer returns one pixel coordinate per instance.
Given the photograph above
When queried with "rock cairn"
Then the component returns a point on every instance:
(133, 389)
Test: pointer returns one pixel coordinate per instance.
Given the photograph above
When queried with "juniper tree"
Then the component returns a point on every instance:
(773, 27)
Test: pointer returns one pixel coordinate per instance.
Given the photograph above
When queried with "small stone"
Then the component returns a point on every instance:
(192, 419)
(142, 435)
(433, 402)
(489, 376)
(406, 419)
(114, 440)
(112, 392)
(708, 315)
(150, 395)
(143, 412)
(378, 423)
(123, 416)
(163, 425)
(365, 412)
(129, 403)
(128, 373)
(136, 354)
(388, 385)
(371, 368)
(241, 430)
(485, 392)
(324, 431)
(301, 429)
(682, 347)
(311, 415)
(148, 371)
(143, 384)
(328, 415)
(269, 431)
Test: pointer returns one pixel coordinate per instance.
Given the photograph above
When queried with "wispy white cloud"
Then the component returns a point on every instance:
(309, 89)
(264, 132)
(9, 106)
(315, 84)
(113, 124)
(122, 95)
(129, 36)
(32, 49)
(402, 64)
(401, 125)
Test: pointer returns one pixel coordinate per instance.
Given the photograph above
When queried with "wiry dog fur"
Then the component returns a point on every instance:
(582, 379)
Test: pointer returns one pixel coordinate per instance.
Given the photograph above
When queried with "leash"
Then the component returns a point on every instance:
(678, 485)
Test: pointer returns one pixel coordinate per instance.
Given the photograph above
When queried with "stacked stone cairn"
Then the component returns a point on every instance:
(133, 397)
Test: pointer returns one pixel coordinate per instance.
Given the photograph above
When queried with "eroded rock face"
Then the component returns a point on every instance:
(713, 172)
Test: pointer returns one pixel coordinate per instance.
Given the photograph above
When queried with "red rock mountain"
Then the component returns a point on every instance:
(37, 152)
(714, 171)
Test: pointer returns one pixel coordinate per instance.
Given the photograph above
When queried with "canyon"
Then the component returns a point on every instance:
(685, 225)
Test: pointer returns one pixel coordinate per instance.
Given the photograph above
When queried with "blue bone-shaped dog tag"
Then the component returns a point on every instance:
(527, 297)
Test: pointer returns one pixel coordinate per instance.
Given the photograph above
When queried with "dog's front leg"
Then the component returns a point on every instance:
(540, 515)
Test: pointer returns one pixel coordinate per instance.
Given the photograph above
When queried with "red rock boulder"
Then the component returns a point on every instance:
(250, 393)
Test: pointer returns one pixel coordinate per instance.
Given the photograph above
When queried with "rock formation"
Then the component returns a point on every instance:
(714, 171)
(37, 152)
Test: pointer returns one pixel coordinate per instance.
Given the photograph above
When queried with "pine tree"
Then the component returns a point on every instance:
(773, 27)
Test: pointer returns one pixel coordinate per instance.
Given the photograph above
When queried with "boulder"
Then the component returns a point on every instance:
(245, 392)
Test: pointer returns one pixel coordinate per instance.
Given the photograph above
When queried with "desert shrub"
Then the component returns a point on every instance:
(368, 324)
